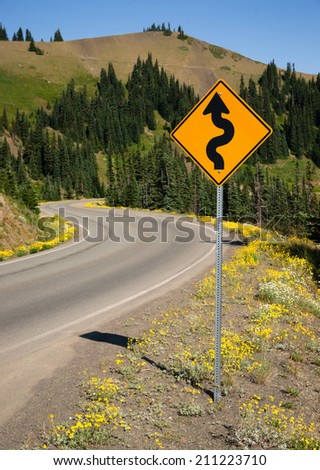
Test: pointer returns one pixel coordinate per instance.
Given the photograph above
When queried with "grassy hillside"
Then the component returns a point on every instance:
(27, 79)
(16, 225)
(22, 233)
(286, 169)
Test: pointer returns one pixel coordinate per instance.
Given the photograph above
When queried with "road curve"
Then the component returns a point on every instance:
(122, 259)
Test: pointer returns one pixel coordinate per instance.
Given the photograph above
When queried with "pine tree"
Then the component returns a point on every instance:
(29, 196)
(199, 192)
(258, 194)
(28, 36)
(8, 182)
(181, 34)
(315, 151)
(4, 124)
(243, 89)
(21, 172)
(3, 33)
(133, 198)
(233, 199)
(20, 36)
(57, 36)
(4, 154)
(32, 46)
(48, 190)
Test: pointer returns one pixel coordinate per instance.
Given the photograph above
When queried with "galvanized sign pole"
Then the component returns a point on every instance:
(218, 311)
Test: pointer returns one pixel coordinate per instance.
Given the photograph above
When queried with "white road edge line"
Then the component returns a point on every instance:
(112, 306)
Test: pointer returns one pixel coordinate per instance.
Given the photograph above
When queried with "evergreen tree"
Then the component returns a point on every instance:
(4, 124)
(3, 33)
(315, 151)
(21, 171)
(29, 196)
(20, 36)
(233, 200)
(32, 46)
(243, 89)
(28, 36)
(57, 36)
(4, 154)
(181, 34)
(8, 182)
(313, 227)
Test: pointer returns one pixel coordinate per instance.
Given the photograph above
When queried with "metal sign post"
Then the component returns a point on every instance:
(218, 311)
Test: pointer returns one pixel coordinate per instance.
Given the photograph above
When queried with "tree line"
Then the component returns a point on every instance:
(59, 146)
(291, 105)
(166, 30)
(19, 35)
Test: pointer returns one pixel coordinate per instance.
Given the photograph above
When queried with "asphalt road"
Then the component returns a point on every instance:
(48, 299)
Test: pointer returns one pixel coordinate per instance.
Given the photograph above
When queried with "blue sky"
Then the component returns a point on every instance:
(280, 30)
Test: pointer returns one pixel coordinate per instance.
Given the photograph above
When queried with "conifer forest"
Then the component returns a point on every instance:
(58, 145)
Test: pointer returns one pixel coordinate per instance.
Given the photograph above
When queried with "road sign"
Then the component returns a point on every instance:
(221, 132)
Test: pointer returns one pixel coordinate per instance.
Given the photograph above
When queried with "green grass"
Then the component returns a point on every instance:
(236, 57)
(27, 92)
(286, 169)
(145, 145)
(217, 52)
(147, 138)
(102, 167)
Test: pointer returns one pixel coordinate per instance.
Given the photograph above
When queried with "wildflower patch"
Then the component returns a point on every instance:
(95, 423)
(64, 231)
(161, 385)
(269, 424)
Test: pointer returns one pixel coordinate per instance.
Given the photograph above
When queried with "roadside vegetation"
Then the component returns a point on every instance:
(157, 392)
(22, 232)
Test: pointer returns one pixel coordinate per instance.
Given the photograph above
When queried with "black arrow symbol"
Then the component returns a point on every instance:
(216, 108)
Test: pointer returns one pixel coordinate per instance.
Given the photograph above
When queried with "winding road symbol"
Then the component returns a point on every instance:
(216, 108)
(220, 132)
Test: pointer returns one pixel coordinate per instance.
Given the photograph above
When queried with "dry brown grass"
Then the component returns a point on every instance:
(14, 227)
(28, 81)
(192, 61)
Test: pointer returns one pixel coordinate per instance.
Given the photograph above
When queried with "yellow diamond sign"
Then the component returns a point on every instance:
(221, 132)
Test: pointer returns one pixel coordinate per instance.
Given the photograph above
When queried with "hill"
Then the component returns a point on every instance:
(110, 138)
(16, 225)
(28, 80)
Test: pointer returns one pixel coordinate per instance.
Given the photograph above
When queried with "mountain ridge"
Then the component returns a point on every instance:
(29, 80)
